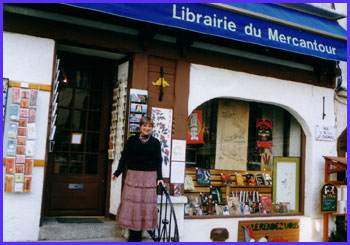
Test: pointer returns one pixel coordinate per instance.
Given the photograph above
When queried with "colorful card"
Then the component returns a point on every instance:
(21, 140)
(19, 168)
(31, 131)
(135, 117)
(11, 147)
(14, 112)
(19, 178)
(23, 112)
(23, 122)
(28, 166)
(18, 187)
(20, 150)
(20, 158)
(16, 95)
(10, 165)
(22, 132)
(30, 148)
(33, 97)
(32, 114)
(25, 94)
(27, 185)
(24, 104)
(9, 179)
(138, 108)
(134, 127)
(12, 131)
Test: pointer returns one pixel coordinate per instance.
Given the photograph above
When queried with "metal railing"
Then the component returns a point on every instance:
(167, 230)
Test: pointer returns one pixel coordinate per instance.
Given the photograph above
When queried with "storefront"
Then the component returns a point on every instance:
(238, 98)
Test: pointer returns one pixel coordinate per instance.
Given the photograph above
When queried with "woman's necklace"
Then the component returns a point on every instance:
(144, 139)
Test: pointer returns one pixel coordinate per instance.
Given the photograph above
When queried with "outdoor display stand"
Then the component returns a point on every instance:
(332, 165)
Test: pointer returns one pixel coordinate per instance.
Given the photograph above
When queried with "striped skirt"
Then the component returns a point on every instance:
(138, 207)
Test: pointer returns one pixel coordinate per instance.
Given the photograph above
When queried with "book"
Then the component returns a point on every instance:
(216, 193)
(259, 179)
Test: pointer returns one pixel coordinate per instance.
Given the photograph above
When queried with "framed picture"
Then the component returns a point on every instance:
(286, 178)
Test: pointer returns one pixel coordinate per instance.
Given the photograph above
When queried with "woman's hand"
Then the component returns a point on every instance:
(160, 181)
(114, 178)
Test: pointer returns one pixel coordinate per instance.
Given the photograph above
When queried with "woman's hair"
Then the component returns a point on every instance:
(146, 120)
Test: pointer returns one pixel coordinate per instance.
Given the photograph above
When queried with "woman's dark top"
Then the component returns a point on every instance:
(141, 156)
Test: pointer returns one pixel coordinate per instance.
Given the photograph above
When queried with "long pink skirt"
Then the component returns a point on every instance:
(138, 207)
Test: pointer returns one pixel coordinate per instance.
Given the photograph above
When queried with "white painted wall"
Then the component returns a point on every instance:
(27, 59)
(303, 101)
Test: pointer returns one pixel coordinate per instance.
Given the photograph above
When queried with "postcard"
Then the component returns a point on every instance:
(10, 165)
(19, 168)
(20, 158)
(21, 140)
(19, 178)
(18, 187)
(11, 147)
(30, 148)
(138, 95)
(22, 132)
(31, 131)
(110, 154)
(27, 186)
(14, 112)
(16, 95)
(135, 117)
(20, 150)
(24, 104)
(32, 114)
(23, 122)
(25, 94)
(12, 131)
(133, 127)
(23, 112)
(9, 179)
(139, 108)
(33, 97)
(28, 166)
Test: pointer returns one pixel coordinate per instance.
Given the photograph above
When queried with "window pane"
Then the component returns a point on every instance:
(64, 117)
(92, 143)
(60, 163)
(65, 96)
(81, 99)
(79, 147)
(79, 120)
(62, 140)
(91, 164)
(76, 164)
(94, 121)
(95, 101)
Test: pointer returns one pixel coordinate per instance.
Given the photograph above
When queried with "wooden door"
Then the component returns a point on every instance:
(78, 164)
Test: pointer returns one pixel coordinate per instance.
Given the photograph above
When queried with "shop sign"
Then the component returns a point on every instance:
(271, 230)
(228, 24)
(195, 128)
(325, 133)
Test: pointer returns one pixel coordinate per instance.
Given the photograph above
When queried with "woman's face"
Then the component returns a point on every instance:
(146, 129)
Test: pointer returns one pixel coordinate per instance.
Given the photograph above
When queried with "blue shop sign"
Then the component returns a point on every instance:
(223, 23)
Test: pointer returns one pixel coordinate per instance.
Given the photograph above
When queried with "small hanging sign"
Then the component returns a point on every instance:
(328, 198)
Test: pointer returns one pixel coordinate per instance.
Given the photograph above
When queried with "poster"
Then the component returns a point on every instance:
(195, 128)
(232, 135)
(163, 119)
(177, 172)
(178, 150)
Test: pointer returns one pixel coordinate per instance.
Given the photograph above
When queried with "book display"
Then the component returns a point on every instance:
(21, 140)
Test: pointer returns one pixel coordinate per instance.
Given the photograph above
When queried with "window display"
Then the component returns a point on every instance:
(232, 169)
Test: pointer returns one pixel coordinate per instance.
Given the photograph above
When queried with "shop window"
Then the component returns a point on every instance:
(236, 145)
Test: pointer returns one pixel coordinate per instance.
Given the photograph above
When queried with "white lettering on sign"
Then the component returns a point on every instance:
(326, 133)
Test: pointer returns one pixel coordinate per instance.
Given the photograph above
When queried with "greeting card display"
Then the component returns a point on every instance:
(138, 108)
(203, 176)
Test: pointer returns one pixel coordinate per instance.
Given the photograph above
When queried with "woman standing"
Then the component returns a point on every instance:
(143, 160)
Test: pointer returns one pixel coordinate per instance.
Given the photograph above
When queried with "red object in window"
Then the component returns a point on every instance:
(195, 128)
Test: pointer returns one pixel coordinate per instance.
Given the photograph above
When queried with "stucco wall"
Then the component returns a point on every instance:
(27, 59)
(303, 101)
